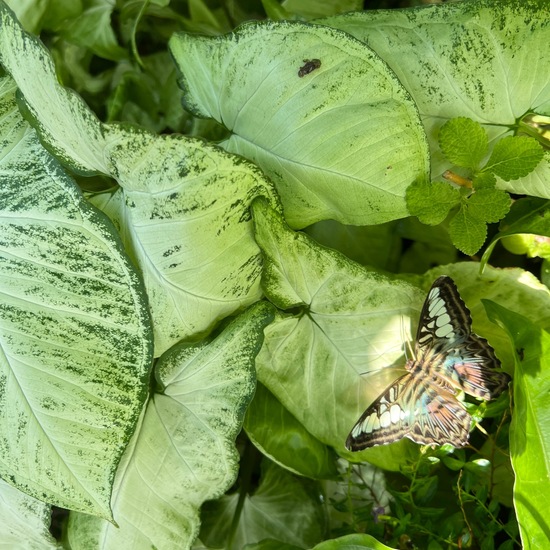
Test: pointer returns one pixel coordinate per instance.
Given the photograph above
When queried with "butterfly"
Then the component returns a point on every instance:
(447, 357)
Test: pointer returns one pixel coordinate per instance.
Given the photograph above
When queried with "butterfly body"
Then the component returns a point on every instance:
(447, 358)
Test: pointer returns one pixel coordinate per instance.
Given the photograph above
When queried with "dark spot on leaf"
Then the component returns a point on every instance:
(309, 66)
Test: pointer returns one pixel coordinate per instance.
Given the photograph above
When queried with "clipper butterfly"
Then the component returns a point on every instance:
(447, 357)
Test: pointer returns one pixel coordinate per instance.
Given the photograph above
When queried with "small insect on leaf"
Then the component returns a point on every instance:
(447, 357)
(309, 66)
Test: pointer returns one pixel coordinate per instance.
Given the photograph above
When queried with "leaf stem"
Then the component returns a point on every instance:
(458, 180)
(134, 32)
(248, 462)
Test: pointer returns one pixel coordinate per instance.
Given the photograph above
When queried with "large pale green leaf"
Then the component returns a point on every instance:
(351, 322)
(340, 142)
(284, 507)
(192, 235)
(482, 59)
(184, 451)
(24, 521)
(75, 334)
(67, 127)
(360, 487)
(183, 207)
(529, 441)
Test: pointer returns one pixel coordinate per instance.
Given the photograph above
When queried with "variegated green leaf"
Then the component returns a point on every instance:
(484, 60)
(353, 322)
(317, 110)
(191, 235)
(24, 521)
(184, 451)
(183, 206)
(75, 334)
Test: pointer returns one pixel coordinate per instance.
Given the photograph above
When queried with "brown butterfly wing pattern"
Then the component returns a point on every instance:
(412, 408)
(421, 405)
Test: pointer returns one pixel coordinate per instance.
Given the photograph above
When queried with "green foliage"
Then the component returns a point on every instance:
(432, 202)
(465, 144)
(422, 508)
(525, 230)
(514, 157)
(279, 499)
(179, 366)
(529, 453)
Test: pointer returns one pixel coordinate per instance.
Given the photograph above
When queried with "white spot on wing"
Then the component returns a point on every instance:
(395, 413)
(444, 331)
(443, 320)
(385, 419)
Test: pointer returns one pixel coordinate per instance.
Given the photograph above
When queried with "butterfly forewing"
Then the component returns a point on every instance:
(448, 356)
(444, 321)
(446, 344)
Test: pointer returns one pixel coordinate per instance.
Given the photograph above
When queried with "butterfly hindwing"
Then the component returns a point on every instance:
(413, 408)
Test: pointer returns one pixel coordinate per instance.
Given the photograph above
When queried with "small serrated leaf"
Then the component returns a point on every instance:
(467, 233)
(463, 141)
(489, 205)
(484, 180)
(514, 157)
(431, 202)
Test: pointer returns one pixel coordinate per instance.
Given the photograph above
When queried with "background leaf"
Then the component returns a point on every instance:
(527, 215)
(312, 8)
(284, 440)
(92, 29)
(281, 499)
(530, 423)
(352, 542)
